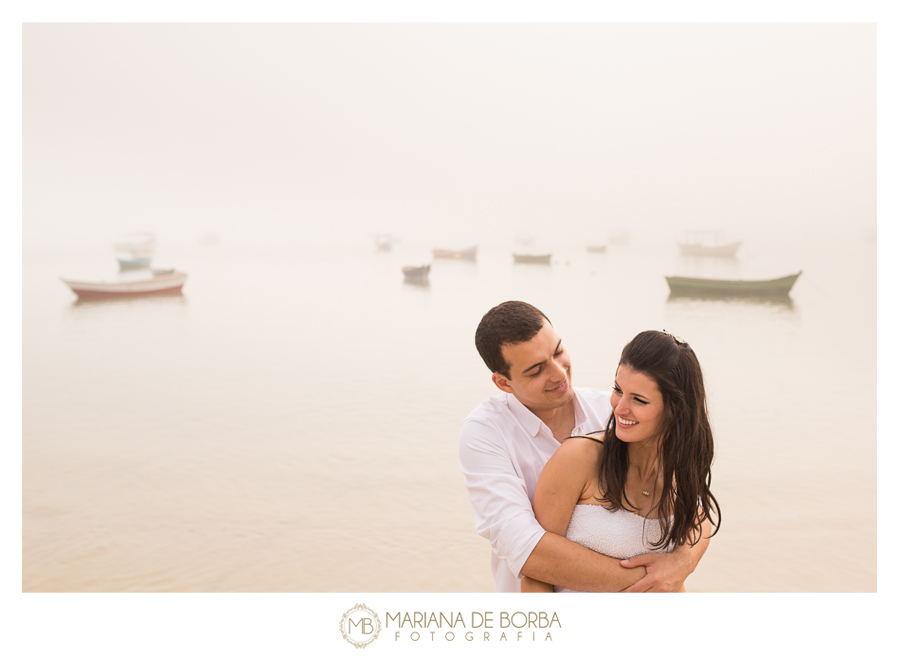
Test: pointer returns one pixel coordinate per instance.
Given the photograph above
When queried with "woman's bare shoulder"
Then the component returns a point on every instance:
(581, 448)
(571, 470)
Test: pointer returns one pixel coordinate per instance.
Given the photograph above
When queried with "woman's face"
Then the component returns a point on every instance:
(637, 405)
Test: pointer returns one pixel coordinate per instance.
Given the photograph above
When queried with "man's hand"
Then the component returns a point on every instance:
(666, 572)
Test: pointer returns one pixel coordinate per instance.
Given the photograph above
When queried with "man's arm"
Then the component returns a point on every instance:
(564, 563)
(666, 572)
(498, 494)
(504, 516)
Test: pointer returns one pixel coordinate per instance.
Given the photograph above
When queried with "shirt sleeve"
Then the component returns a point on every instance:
(499, 497)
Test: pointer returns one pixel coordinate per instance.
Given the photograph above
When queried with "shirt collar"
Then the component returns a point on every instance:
(580, 415)
(524, 415)
(532, 423)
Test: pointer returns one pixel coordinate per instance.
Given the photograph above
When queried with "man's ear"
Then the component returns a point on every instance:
(501, 382)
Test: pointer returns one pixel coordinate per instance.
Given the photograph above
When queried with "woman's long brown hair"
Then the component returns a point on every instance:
(685, 449)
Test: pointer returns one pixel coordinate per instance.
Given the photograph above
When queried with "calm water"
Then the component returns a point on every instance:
(290, 422)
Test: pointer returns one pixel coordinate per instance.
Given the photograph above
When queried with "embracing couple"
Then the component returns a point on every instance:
(583, 490)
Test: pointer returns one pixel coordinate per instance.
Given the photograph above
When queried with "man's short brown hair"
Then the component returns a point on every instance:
(508, 323)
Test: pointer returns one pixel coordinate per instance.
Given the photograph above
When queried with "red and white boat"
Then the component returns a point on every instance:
(161, 281)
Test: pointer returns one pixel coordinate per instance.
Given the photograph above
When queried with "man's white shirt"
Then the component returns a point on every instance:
(502, 449)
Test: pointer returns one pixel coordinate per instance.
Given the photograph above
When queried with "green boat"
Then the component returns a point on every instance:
(537, 259)
(682, 285)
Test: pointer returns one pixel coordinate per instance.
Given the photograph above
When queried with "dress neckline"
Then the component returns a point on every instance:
(622, 509)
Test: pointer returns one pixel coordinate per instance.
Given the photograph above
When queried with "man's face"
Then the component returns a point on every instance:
(540, 372)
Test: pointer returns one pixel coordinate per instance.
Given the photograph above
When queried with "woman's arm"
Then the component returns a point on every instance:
(563, 482)
(560, 486)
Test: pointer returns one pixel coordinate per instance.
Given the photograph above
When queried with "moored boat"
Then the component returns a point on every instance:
(707, 243)
(209, 239)
(620, 236)
(138, 244)
(525, 238)
(468, 254)
(416, 273)
(166, 281)
(133, 263)
(682, 285)
(537, 259)
(723, 250)
(384, 242)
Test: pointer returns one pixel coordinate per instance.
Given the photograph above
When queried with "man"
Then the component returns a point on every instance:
(506, 441)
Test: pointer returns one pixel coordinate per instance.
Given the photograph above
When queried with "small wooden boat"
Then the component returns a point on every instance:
(722, 250)
(525, 238)
(536, 259)
(682, 285)
(133, 263)
(209, 239)
(162, 281)
(416, 273)
(597, 248)
(620, 236)
(707, 243)
(145, 243)
(468, 254)
(384, 242)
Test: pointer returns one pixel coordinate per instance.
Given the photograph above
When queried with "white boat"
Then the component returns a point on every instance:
(161, 281)
(384, 242)
(525, 238)
(619, 236)
(707, 243)
(209, 239)
(137, 244)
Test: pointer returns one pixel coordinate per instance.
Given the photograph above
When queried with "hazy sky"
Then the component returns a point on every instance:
(447, 131)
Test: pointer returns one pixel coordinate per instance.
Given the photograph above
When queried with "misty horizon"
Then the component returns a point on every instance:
(451, 133)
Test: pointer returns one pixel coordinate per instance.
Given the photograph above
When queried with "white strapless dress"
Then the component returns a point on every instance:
(619, 534)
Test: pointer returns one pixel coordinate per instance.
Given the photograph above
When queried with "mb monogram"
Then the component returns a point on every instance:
(360, 626)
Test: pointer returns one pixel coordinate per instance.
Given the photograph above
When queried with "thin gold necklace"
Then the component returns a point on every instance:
(643, 488)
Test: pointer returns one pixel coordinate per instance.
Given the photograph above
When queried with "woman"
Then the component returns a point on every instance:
(642, 485)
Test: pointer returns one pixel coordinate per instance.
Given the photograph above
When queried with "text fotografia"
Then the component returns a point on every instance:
(478, 626)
